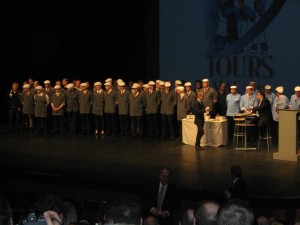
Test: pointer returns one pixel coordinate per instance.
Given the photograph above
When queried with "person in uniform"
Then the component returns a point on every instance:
(269, 94)
(183, 107)
(198, 110)
(72, 108)
(14, 111)
(280, 102)
(168, 101)
(85, 103)
(152, 106)
(136, 108)
(123, 109)
(58, 102)
(177, 84)
(98, 108)
(157, 86)
(210, 96)
(190, 95)
(233, 107)
(110, 103)
(48, 90)
(248, 99)
(145, 88)
(41, 101)
(27, 108)
(295, 99)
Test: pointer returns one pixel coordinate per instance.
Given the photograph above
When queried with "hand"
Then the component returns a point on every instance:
(207, 108)
(52, 218)
(154, 211)
(226, 194)
(250, 107)
(164, 214)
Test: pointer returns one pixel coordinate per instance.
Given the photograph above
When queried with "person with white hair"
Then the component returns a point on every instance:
(85, 104)
(72, 108)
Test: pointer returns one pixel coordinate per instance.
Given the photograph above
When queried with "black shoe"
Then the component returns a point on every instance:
(179, 138)
(198, 148)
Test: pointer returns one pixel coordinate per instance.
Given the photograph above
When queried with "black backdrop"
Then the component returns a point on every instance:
(89, 40)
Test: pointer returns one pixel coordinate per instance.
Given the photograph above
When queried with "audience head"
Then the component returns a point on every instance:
(236, 171)
(187, 218)
(235, 212)
(206, 213)
(262, 220)
(49, 203)
(123, 211)
(164, 175)
(151, 220)
(69, 212)
(5, 212)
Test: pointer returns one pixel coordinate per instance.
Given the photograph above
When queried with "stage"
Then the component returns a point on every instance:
(131, 163)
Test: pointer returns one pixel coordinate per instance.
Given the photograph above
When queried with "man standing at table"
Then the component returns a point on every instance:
(198, 110)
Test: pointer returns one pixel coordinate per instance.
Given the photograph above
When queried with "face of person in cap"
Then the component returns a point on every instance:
(83, 88)
(38, 91)
(205, 84)
(249, 91)
(187, 88)
(35, 84)
(57, 90)
(233, 91)
(97, 87)
(122, 87)
(267, 91)
(134, 91)
(107, 87)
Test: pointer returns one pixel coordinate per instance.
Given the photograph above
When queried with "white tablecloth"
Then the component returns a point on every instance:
(215, 133)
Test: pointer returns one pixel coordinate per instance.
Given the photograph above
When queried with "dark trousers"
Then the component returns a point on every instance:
(14, 119)
(99, 122)
(200, 132)
(72, 121)
(41, 124)
(111, 123)
(28, 121)
(179, 124)
(152, 122)
(137, 125)
(230, 127)
(124, 125)
(167, 125)
(85, 123)
(58, 123)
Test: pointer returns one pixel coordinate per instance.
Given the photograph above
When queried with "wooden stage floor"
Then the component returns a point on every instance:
(134, 162)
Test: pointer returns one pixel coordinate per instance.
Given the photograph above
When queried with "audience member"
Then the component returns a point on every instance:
(238, 188)
(187, 218)
(5, 212)
(206, 213)
(151, 220)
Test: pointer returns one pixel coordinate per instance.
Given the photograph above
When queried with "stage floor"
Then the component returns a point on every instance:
(133, 162)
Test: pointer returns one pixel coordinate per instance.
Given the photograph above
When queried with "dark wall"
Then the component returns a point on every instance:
(89, 40)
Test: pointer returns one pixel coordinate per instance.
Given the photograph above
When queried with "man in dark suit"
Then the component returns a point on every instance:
(238, 187)
(198, 110)
(163, 199)
(264, 111)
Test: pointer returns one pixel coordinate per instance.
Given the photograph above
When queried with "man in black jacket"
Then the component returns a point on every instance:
(162, 199)
(198, 110)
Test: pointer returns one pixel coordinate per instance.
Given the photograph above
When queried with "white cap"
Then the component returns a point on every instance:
(146, 85)
(83, 85)
(249, 87)
(205, 80)
(97, 84)
(108, 80)
(157, 81)
(121, 84)
(70, 86)
(233, 87)
(167, 84)
(161, 82)
(57, 87)
(38, 88)
(47, 82)
(26, 86)
(178, 82)
(119, 81)
(268, 87)
(151, 82)
(180, 88)
(280, 89)
(135, 86)
(252, 82)
(107, 83)
(297, 88)
(188, 84)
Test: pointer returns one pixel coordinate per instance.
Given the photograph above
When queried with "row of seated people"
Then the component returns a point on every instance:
(159, 205)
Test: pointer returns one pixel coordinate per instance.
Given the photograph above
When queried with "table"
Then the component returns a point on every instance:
(215, 132)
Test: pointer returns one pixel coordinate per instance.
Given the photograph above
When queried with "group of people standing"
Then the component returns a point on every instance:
(128, 110)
